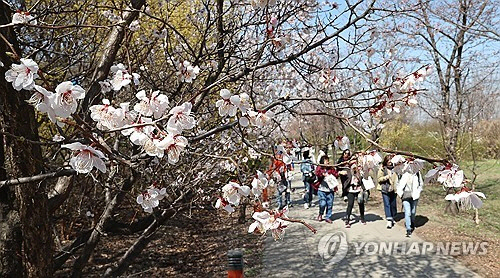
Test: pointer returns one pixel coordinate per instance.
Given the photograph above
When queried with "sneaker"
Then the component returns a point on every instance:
(408, 233)
(306, 206)
(320, 217)
(363, 222)
(345, 198)
(389, 224)
(347, 224)
(328, 220)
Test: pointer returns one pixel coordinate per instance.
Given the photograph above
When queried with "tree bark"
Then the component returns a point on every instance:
(24, 207)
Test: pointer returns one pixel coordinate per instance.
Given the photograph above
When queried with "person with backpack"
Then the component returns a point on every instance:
(387, 181)
(325, 188)
(409, 188)
(308, 177)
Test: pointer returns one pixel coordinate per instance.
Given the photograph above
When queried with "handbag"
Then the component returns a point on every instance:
(310, 177)
(407, 194)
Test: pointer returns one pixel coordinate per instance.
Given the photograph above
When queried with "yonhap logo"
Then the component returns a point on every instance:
(333, 247)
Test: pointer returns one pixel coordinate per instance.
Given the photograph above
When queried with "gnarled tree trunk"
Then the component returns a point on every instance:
(26, 235)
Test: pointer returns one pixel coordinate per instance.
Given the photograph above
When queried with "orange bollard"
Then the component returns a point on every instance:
(235, 263)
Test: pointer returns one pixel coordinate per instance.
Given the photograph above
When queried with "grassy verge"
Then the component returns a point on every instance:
(444, 227)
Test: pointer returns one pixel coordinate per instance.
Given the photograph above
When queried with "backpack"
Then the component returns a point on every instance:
(308, 172)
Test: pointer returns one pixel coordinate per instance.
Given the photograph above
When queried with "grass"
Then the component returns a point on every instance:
(445, 227)
(487, 181)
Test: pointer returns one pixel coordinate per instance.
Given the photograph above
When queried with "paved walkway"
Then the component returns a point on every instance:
(297, 254)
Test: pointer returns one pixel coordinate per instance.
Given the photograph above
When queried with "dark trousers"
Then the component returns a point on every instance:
(350, 204)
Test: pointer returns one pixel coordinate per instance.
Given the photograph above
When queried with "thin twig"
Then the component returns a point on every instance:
(63, 172)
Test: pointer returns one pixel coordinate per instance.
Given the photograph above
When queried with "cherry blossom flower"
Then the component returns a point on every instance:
(260, 119)
(86, 158)
(342, 143)
(173, 146)
(232, 192)
(181, 118)
(228, 105)
(259, 183)
(244, 103)
(106, 86)
(139, 134)
(399, 163)
(58, 138)
(187, 73)
(412, 102)
(23, 18)
(413, 166)
(432, 174)
(224, 204)
(150, 146)
(244, 121)
(451, 177)
(371, 161)
(467, 198)
(265, 221)
(122, 78)
(151, 198)
(23, 75)
(106, 116)
(65, 103)
(42, 101)
(134, 25)
(154, 106)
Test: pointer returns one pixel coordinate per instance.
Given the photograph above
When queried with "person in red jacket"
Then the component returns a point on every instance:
(325, 190)
(278, 169)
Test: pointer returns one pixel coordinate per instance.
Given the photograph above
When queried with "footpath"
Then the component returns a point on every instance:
(369, 250)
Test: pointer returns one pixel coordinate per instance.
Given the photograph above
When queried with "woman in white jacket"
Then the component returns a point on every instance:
(409, 188)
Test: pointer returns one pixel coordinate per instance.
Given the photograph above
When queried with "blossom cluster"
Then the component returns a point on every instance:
(232, 193)
(139, 123)
(451, 177)
(21, 17)
(342, 143)
(405, 86)
(230, 104)
(151, 198)
(270, 220)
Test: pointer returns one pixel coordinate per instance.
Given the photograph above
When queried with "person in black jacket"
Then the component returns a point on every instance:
(344, 171)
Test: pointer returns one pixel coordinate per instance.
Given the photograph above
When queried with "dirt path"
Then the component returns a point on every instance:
(362, 250)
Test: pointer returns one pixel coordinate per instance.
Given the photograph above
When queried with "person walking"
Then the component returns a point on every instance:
(325, 190)
(409, 188)
(344, 171)
(278, 169)
(355, 191)
(387, 180)
(308, 176)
